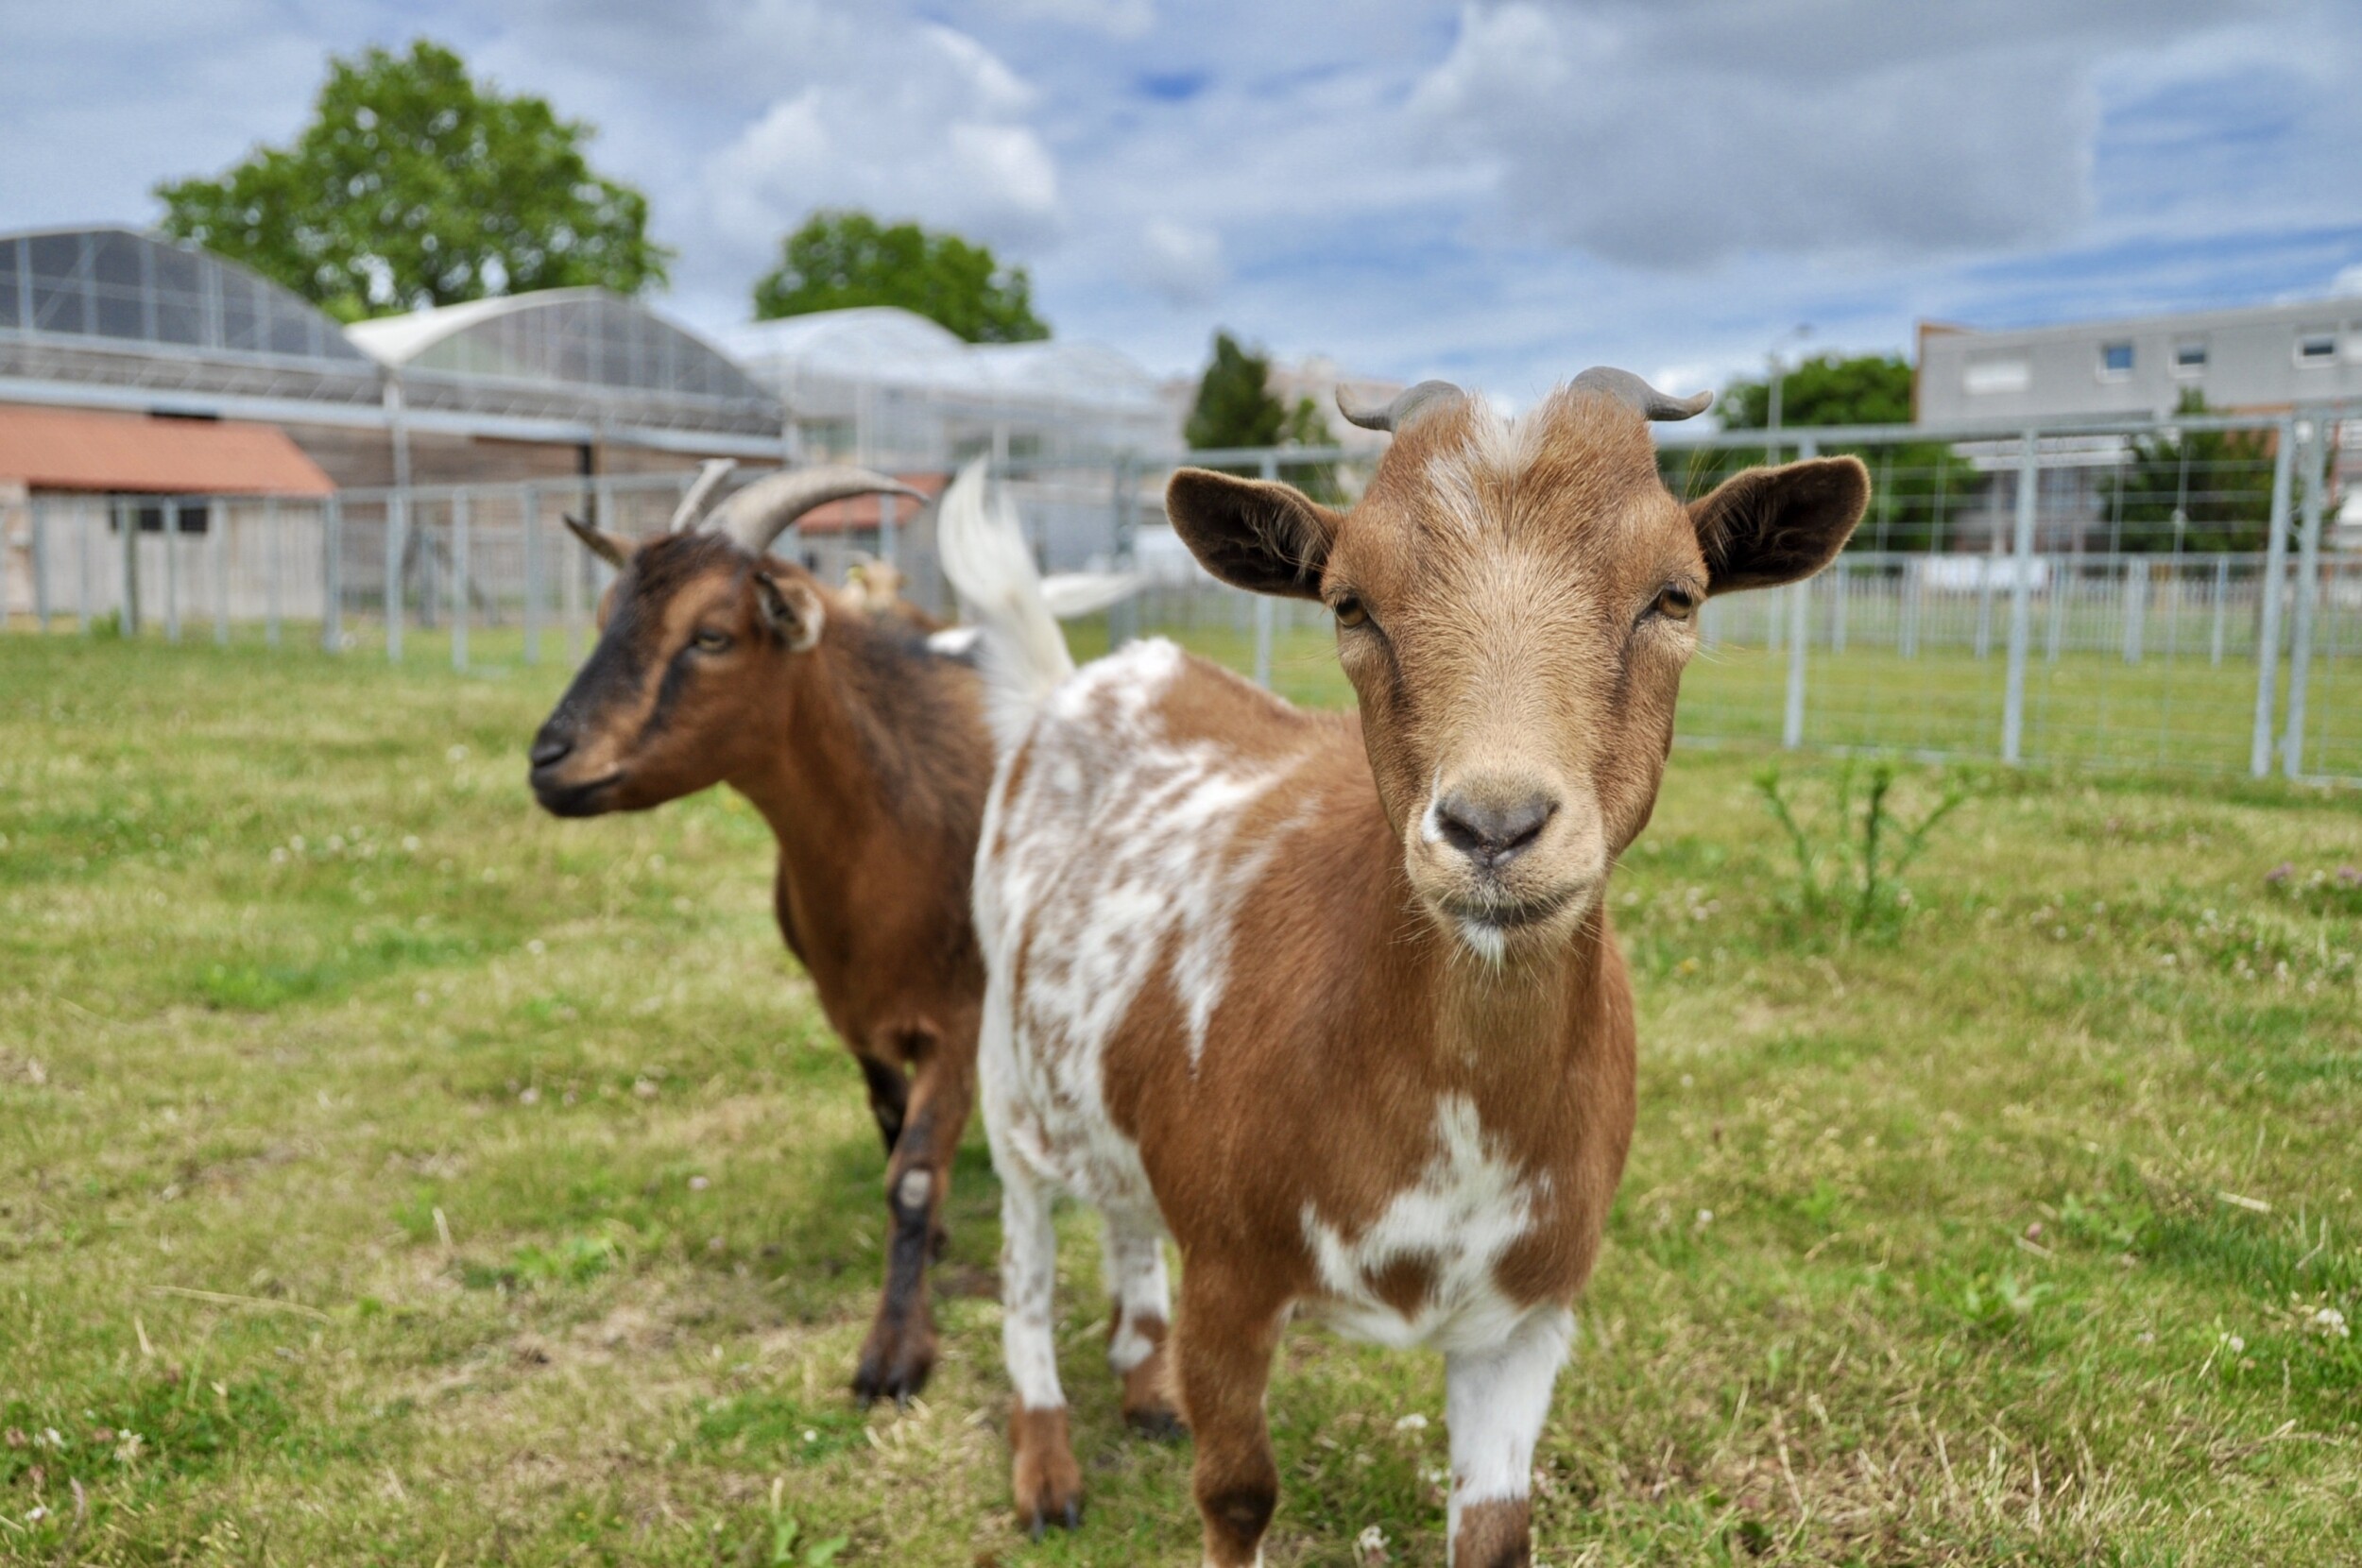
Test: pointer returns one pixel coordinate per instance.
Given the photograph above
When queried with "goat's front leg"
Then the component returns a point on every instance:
(1495, 1401)
(900, 1349)
(1223, 1348)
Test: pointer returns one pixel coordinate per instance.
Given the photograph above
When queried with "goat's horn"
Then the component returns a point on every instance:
(768, 507)
(710, 474)
(1639, 395)
(1407, 406)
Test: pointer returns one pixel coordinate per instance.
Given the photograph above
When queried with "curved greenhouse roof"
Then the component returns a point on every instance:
(884, 345)
(567, 344)
(122, 285)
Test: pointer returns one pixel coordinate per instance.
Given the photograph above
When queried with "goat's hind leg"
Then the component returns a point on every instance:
(1139, 1308)
(1043, 1475)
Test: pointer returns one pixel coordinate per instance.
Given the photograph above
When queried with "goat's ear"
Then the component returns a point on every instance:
(791, 609)
(612, 548)
(1768, 526)
(1253, 534)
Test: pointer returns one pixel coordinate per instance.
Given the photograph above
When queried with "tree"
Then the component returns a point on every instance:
(2200, 490)
(838, 261)
(1235, 406)
(413, 185)
(1916, 487)
(1866, 389)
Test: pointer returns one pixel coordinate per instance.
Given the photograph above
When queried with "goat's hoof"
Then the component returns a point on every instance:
(895, 1363)
(1047, 1481)
(1157, 1422)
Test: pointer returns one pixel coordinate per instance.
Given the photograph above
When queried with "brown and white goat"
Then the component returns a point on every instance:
(865, 751)
(1332, 999)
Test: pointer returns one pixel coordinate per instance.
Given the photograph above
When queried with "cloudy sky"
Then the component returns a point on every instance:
(1501, 192)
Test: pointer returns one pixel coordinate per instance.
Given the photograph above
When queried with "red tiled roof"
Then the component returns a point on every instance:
(73, 448)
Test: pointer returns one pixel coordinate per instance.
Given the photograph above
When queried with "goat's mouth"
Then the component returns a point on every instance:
(562, 797)
(1487, 926)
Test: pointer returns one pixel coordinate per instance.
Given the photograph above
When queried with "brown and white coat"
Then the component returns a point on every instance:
(1333, 1000)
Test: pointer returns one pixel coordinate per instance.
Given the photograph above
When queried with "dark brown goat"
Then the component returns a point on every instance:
(865, 751)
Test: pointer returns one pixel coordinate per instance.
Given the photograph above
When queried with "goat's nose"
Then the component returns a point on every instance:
(549, 750)
(1492, 830)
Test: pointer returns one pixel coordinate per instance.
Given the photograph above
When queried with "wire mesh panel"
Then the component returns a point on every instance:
(2163, 596)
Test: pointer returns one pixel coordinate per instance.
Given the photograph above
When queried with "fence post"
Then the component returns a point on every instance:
(1840, 584)
(82, 571)
(459, 542)
(127, 530)
(1263, 603)
(1914, 587)
(2062, 585)
(1123, 618)
(217, 546)
(570, 599)
(2135, 607)
(397, 546)
(530, 514)
(333, 574)
(37, 512)
(274, 527)
(171, 536)
(1799, 633)
(2259, 761)
(2222, 602)
(2021, 604)
(2308, 585)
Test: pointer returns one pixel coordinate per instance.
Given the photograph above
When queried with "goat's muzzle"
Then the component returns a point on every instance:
(560, 795)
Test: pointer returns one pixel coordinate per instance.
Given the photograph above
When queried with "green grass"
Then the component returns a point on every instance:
(423, 1180)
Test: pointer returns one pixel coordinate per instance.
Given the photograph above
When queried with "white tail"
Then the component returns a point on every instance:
(985, 555)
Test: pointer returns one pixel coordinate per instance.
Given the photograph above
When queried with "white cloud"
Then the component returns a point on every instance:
(1179, 261)
(1683, 136)
(928, 125)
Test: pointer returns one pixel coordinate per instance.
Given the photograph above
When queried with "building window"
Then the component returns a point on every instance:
(2115, 360)
(2317, 345)
(1986, 375)
(2189, 357)
(188, 517)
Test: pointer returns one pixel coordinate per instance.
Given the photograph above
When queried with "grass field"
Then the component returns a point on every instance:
(389, 1173)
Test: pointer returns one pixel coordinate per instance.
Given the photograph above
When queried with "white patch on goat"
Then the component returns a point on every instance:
(1135, 1263)
(1029, 1277)
(1496, 1398)
(1489, 943)
(1497, 448)
(1468, 1207)
(954, 642)
(1153, 876)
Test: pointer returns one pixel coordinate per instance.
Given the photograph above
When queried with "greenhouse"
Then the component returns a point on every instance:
(890, 387)
(130, 320)
(583, 356)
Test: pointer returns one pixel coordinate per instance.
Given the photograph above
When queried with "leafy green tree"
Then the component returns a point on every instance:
(2212, 489)
(414, 185)
(837, 261)
(1916, 487)
(1865, 389)
(1236, 407)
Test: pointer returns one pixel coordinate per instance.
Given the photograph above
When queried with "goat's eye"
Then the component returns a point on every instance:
(1676, 604)
(1351, 611)
(710, 641)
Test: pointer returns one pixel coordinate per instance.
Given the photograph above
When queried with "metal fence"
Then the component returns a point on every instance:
(2168, 595)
